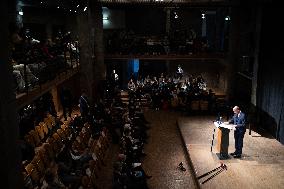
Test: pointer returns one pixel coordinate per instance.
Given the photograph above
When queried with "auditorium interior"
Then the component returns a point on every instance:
(141, 94)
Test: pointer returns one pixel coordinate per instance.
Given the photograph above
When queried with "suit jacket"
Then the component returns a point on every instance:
(240, 122)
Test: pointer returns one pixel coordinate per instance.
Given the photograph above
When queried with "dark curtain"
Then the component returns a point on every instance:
(270, 96)
(271, 100)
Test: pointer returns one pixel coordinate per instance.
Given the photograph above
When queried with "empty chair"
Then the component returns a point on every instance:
(39, 165)
(89, 182)
(57, 142)
(204, 105)
(102, 144)
(195, 105)
(62, 135)
(52, 144)
(49, 121)
(94, 169)
(30, 140)
(40, 132)
(48, 150)
(36, 138)
(105, 138)
(77, 146)
(44, 156)
(44, 128)
(98, 151)
(84, 138)
(33, 173)
(87, 128)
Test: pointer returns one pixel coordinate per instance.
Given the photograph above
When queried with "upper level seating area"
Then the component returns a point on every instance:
(178, 42)
(36, 62)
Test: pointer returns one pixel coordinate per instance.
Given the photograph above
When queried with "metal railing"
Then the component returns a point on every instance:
(28, 76)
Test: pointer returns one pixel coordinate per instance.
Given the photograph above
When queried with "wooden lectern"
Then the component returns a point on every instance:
(222, 146)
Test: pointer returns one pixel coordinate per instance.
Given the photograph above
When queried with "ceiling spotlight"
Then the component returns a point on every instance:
(58, 7)
(227, 18)
(85, 9)
(21, 13)
(75, 11)
(41, 2)
(70, 10)
(78, 6)
(203, 16)
(176, 15)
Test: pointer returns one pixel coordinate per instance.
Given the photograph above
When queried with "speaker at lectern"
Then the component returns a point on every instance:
(222, 146)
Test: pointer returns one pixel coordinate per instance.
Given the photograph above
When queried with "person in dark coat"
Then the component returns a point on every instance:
(239, 121)
(66, 102)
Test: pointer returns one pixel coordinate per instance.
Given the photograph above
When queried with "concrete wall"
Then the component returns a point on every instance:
(146, 20)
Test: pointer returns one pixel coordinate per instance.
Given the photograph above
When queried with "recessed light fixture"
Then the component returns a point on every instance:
(203, 16)
(85, 9)
(227, 18)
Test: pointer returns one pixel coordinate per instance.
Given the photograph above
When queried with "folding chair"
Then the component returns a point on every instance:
(33, 173)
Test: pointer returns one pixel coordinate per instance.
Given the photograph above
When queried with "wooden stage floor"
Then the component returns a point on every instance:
(262, 164)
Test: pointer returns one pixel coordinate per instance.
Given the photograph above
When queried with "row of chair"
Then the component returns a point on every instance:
(97, 148)
(54, 144)
(45, 153)
(199, 105)
(42, 131)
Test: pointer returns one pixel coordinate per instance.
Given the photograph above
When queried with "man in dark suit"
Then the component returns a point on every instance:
(66, 102)
(239, 121)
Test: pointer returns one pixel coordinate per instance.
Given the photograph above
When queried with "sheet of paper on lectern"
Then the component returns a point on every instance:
(227, 126)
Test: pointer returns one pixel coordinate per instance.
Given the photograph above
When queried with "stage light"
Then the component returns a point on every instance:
(21, 13)
(176, 15)
(203, 16)
(58, 7)
(227, 18)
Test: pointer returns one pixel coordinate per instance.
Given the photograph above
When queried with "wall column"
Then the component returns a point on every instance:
(56, 99)
(86, 41)
(99, 68)
(233, 53)
(168, 20)
(9, 128)
(256, 55)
